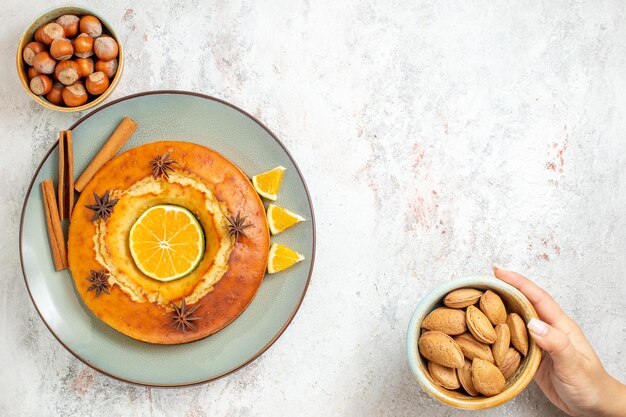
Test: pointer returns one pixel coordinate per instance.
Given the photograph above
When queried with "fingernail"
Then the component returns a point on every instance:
(537, 327)
(495, 266)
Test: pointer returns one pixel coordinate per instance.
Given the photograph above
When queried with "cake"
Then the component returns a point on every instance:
(177, 287)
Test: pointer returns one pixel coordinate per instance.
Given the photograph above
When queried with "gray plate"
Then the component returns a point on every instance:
(171, 115)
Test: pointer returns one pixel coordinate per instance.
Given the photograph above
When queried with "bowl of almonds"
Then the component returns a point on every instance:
(69, 59)
(468, 346)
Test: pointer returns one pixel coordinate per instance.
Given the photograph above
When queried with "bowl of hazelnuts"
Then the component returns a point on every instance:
(69, 59)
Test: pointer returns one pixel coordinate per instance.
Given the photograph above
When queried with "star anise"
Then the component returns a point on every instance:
(162, 166)
(182, 317)
(99, 281)
(236, 226)
(103, 207)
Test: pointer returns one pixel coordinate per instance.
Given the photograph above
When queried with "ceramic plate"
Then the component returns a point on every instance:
(254, 148)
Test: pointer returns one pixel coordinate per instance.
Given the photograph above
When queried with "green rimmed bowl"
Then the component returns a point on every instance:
(515, 301)
(201, 119)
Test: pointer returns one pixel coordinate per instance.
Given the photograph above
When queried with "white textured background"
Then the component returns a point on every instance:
(436, 138)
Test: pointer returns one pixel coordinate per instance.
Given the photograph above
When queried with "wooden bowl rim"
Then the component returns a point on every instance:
(27, 37)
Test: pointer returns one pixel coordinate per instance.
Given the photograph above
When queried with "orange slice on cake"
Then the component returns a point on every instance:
(166, 242)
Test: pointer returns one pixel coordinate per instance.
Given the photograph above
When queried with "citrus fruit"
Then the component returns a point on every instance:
(268, 183)
(280, 218)
(281, 257)
(166, 242)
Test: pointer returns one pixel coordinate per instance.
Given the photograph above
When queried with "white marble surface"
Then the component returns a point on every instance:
(436, 137)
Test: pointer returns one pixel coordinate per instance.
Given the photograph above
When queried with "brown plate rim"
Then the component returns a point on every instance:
(306, 286)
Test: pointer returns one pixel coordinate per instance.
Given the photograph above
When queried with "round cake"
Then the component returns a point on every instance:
(168, 243)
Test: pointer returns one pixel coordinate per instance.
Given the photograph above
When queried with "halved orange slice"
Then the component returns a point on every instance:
(267, 184)
(280, 219)
(281, 257)
(166, 242)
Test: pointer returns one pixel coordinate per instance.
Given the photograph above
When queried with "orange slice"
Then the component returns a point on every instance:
(281, 257)
(267, 184)
(280, 219)
(166, 242)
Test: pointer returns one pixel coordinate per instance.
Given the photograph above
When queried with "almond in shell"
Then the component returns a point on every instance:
(519, 336)
(462, 298)
(440, 348)
(510, 363)
(465, 378)
(491, 304)
(472, 348)
(487, 379)
(444, 376)
(479, 325)
(501, 346)
(446, 320)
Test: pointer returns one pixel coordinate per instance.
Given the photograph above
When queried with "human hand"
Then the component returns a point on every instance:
(570, 374)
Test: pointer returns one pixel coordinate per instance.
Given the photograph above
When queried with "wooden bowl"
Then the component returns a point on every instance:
(515, 301)
(27, 37)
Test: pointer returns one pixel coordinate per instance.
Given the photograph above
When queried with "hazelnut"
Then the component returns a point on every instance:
(91, 26)
(55, 96)
(44, 63)
(40, 84)
(61, 49)
(83, 46)
(50, 32)
(74, 95)
(39, 34)
(32, 72)
(97, 83)
(85, 66)
(67, 72)
(31, 50)
(108, 67)
(105, 48)
(69, 22)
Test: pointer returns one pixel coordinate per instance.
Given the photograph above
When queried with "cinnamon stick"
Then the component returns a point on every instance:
(66, 174)
(53, 221)
(120, 136)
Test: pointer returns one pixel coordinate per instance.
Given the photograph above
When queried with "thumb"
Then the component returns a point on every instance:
(552, 340)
